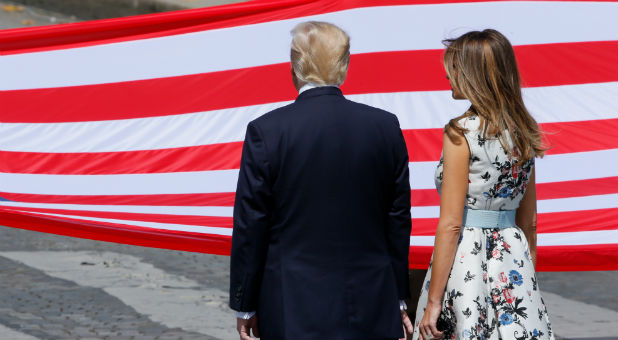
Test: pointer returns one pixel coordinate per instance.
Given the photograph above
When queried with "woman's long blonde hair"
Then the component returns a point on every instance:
(482, 67)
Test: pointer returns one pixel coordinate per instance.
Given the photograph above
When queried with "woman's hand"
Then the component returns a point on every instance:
(427, 328)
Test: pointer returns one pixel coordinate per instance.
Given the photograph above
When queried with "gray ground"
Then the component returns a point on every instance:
(56, 287)
(41, 303)
(27, 13)
(597, 288)
(14, 15)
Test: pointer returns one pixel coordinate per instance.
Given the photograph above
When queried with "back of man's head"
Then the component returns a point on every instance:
(320, 53)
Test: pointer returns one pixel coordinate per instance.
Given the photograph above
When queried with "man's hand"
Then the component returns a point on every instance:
(408, 329)
(245, 327)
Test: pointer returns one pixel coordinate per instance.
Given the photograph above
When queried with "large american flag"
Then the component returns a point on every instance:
(130, 130)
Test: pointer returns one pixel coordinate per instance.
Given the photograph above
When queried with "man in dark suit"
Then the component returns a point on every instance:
(322, 214)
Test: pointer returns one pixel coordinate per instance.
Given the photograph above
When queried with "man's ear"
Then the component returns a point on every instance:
(297, 83)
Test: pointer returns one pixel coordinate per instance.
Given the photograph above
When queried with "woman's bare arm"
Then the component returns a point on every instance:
(526, 216)
(452, 202)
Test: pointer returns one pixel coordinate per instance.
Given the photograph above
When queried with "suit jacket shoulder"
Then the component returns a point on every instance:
(369, 114)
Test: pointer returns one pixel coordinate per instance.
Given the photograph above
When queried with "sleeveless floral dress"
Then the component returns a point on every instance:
(492, 292)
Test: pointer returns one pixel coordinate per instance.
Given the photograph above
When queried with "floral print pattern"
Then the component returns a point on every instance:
(492, 292)
(496, 181)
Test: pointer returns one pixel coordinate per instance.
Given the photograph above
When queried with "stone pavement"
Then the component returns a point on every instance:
(56, 287)
(26, 13)
(14, 15)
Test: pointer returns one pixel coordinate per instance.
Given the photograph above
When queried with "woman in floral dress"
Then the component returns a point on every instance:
(481, 283)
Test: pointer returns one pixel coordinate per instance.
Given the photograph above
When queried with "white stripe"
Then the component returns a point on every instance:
(577, 166)
(432, 211)
(553, 168)
(155, 225)
(139, 209)
(544, 206)
(578, 203)
(134, 184)
(579, 238)
(572, 103)
(415, 110)
(372, 29)
(421, 241)
(220, 126)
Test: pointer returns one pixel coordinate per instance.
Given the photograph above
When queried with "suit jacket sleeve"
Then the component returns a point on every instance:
(252, 212)
(399, 219)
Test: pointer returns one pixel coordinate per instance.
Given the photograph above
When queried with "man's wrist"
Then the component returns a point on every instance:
(403, 305)
(245, 315)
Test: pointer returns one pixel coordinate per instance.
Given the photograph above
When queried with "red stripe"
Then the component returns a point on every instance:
(224, 199)
(403, 71)
(419, 257)
(196, 158)
(588, 135)
(545, 191)
(423, 145)
(571, 221)
(578, 258)
(97, 32)
(423, 70)
(558, 222)
(119, 233)
(420, 197)
(205, 221)
(585, 187)
(554, 258)
(539, 67)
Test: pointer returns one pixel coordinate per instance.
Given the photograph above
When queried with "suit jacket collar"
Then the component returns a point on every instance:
(320, 91)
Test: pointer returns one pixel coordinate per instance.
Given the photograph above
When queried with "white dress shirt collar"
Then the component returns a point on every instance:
(310, 86)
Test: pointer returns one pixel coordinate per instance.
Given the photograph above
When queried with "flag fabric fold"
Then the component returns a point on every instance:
(130, 130)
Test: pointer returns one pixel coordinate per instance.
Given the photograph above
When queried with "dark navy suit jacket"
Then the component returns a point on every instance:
(322, 221)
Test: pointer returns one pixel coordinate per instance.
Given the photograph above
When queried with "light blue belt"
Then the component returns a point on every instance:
(488, 219)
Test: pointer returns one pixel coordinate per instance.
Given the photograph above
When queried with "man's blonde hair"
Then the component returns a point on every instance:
(320, 53)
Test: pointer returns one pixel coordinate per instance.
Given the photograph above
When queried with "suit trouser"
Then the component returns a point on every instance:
(417, 276)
